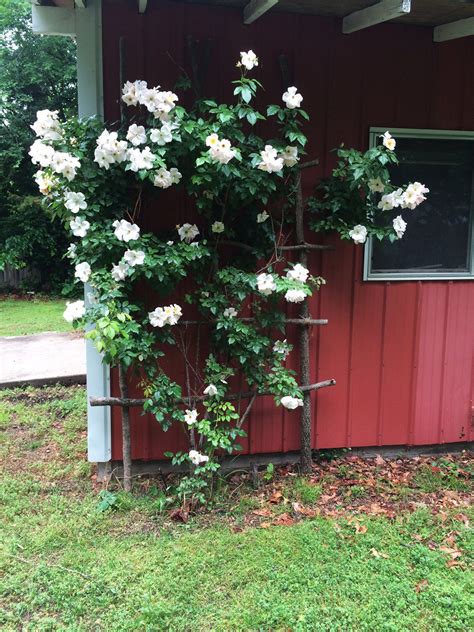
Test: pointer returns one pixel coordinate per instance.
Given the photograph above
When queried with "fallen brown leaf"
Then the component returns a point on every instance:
(179, 515)
(276, 498)
(303, 511)
(462, 518)
(453, 563)
(453, 553)
(421, 585)
(262, 512)
(284, 519)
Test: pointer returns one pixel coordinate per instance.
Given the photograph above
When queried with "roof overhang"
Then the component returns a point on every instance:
(449, 19)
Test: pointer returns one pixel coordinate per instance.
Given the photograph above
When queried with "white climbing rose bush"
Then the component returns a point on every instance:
(243, 187)
(358, 199)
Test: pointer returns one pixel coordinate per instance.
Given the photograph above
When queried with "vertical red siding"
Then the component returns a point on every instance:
(401, 352)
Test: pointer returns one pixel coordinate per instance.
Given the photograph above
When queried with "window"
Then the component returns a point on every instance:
(439, 241)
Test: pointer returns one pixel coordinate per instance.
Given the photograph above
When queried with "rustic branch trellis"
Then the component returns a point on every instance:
(304, 321)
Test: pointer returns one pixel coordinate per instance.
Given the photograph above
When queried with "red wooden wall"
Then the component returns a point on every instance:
(401, 352)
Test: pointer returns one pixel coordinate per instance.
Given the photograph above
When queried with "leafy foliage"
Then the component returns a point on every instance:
(35, 72)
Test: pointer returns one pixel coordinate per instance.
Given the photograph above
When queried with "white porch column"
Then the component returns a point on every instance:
(84, 22)
(91, 103)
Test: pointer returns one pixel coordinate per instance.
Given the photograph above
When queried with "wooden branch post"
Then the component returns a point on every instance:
(126, 438)
(306, 460)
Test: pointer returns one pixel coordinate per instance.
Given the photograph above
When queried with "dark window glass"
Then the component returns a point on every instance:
(438, 232)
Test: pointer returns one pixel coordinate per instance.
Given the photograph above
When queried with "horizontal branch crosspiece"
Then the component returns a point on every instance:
(129, 402)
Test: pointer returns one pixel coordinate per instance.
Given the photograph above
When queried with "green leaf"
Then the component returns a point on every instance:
(246, 94)
(252, 117)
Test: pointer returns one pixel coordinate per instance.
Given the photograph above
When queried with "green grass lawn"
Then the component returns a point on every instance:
(19, 316)
(67, 566)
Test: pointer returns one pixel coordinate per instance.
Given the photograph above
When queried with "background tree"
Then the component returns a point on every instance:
(36, 72)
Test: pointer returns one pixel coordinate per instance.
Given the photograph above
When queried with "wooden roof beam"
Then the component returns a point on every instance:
(375, 14)
(256, 8)
(453, 30)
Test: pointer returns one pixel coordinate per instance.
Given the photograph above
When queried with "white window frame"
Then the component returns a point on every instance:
(369, 275)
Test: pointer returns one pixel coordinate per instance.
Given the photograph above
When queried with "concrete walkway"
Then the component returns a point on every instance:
(42, 359)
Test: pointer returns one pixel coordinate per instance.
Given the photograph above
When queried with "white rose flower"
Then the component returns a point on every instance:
(150, 98)
(292, 98)
(65, 164)
(136, 134)
(358, 234)
(45, 182)
(295, 296)
(190, 417)
(79, 226)
(220, 150)
(47, 125)
(413, 195)
(74, 311)
(175, 175)
(132, 92)
(212, 140)
(163, 135)
(83, 271)
(197, 458)
(110, 150)
(173, 313)
(217, 227)
(210, 390)
(140, 159)
(125, 231)
(391, 200)
(187, 232)
(134, 257)
(270, 162)
(71, 251)
(166, 104)
(249, 59)
(298, 273)
(157, 317)
(388, 141)
(265, 284)
(399, 226)
(120, 271)
(75, 202)
(163, 179)
(162, 316)
(291, 403)
(262, 217)
(420, 188)
(230, 312)
(290, 156)
(376, 185)
(41, 154)
(281, 347)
